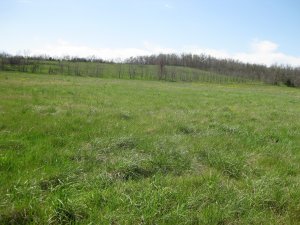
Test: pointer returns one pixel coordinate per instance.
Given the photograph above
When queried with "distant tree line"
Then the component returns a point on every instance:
(51, 65)
(167, 68)
(95, 67)
(275, 74)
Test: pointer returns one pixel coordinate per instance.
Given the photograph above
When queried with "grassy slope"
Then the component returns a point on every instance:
(119, 151)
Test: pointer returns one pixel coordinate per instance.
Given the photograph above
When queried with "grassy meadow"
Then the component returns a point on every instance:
(86, 150)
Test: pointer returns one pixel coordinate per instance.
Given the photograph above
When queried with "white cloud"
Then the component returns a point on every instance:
(262, 52)
(156, 49)
(63, 48)
(267, 52)
(264, 46)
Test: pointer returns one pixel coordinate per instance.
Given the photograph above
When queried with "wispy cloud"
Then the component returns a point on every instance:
(261, 52)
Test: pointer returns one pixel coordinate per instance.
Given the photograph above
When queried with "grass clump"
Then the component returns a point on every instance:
(124, 143)
(17, 217)
(228, 163)
(66, 212)
(187, 129)
(51, 183)
(133, 172)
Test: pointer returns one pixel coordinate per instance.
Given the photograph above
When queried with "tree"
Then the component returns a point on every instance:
(161, 61)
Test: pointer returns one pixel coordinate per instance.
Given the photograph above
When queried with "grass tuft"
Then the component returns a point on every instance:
(124, 143)
(133, 172)
(17, 217)
(65, 212)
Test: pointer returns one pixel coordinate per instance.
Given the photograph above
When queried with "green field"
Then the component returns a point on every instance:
(90, 150)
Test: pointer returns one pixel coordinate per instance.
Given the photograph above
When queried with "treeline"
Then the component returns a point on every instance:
(169, 67)
(45, 64)
(96, 67)
(274, 75)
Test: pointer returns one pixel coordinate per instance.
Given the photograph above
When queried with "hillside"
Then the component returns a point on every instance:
(117, 151)
(116, 70)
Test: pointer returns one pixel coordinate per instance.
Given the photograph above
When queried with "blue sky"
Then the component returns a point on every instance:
(259, 31)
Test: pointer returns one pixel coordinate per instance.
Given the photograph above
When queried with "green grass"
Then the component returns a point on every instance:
(102, 151)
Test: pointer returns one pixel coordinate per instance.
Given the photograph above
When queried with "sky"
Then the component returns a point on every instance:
(255, 31)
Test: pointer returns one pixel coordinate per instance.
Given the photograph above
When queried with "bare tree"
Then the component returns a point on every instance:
(161, 61)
